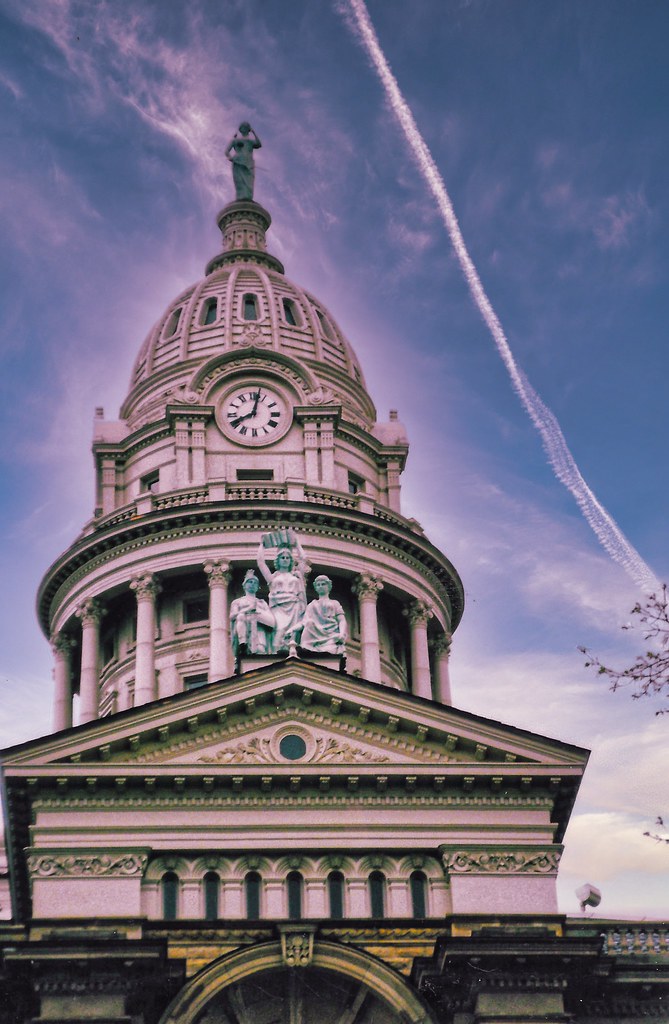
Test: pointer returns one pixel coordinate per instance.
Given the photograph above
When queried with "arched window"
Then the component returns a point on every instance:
(209, 312)
(294, 882)
(377, 894)
(252, 884)
(418, 887)
(325, 325)
(170, 887)
(250, 307)
(290, 313)
(212, 887)
(173, 323)
(336, 895)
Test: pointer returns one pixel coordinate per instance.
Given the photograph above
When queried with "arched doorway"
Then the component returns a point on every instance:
(334, 983)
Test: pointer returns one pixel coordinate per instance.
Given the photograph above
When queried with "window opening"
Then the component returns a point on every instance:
(108, 648)
(170, 886)
(418, 886)
(250, 307)
(209, 312)
(149, 482)
(255, 474)
(290, 313)
(336, 895)
(355, 484)
(294, 882)
(196, 681)
(325, 325)
(195, 609)
(252, 886)
(212, 886)
(173, 323)
(377, 894)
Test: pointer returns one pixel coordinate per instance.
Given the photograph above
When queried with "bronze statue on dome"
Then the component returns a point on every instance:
(243, 166)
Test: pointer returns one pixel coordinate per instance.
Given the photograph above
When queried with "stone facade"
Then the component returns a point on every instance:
(227, 835)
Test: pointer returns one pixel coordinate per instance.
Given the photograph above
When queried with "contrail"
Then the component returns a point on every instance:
(560, 458)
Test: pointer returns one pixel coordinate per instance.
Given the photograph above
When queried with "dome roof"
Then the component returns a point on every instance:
(245, 302)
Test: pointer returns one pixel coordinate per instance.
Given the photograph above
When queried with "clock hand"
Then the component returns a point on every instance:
(255, 407)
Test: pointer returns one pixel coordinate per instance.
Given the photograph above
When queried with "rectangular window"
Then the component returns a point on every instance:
(255, 474)
(289, 312)
(149, 482)
(250, 307)
(196, 681)
(196, 609)
(209, 312)
(356, 485)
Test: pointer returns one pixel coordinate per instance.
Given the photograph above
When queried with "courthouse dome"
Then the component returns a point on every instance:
(244, 302)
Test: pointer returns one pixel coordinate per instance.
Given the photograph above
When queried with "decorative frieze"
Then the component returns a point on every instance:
(81, 865)
(508, 862)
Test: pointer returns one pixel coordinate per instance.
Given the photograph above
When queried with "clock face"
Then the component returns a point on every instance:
(254, 414)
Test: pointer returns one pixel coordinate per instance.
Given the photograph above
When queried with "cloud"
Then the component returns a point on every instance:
(619, 219)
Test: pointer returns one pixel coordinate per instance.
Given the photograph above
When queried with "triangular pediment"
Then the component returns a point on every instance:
(340, 720)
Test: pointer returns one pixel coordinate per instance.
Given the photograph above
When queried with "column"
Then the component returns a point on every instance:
(419, 613)
(61, 645)
(146, 589)
(442, 682)
(367, 588)
(90, 614)
(108, 484)
(311, 474)
(393, 483)
(220, 650)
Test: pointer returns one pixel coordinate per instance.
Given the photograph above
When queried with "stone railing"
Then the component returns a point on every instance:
(651, 938)
(625, 938)
(236, 491)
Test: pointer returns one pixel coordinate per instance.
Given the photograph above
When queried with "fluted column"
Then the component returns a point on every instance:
(90, 614)
(220, 650)
(61, 645)
(441, 649)
(367, 588)
(419, 613)
(146, 589)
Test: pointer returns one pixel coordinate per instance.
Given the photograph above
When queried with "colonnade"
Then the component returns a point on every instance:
(146, 587)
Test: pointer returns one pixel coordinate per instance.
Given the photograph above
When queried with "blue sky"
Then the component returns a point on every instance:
(548, 124)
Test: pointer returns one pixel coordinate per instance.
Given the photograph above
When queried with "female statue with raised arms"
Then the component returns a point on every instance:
(287, 588)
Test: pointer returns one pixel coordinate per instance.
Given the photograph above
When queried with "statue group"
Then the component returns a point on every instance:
(285, 620)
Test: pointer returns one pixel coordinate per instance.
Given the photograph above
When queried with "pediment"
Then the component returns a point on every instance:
(339, 719)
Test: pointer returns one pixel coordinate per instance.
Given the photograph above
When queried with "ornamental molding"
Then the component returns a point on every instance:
(218, 571)
(83, 865)
(438, 575)
(90, 612)
(441, 644)
(425, 752)
(63, 983)
(231, 363)
(146, 587)
(503, 862)
(327, 750)
(367, 586)
(297, 945)
(62, 644)
(418, 613)
(252, 798)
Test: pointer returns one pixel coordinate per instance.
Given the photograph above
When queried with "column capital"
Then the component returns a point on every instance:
(367, 586)
(62, 643)
(418, 613)
(90, 612)
(146, 586)
(441, 645)
(218, 571)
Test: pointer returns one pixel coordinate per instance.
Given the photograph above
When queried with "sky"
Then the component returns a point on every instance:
(547, 122)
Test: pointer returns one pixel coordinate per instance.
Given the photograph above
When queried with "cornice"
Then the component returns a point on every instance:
(391, 539)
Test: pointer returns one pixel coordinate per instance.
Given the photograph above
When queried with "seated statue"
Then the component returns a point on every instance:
(251, 621)
(324, 624)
